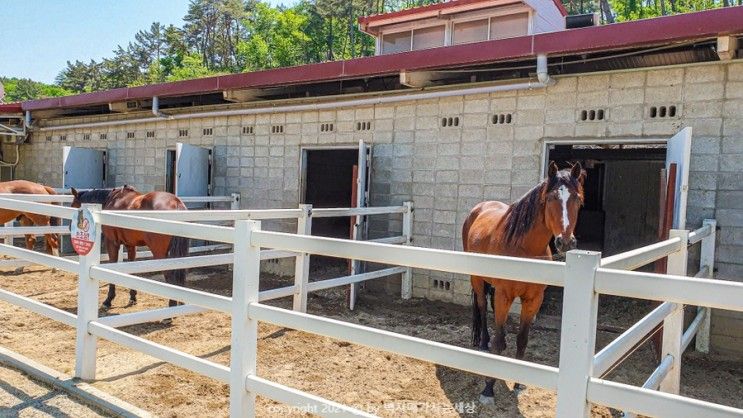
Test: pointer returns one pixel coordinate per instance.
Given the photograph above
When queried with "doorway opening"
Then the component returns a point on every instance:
(170, 171)
(622, 194)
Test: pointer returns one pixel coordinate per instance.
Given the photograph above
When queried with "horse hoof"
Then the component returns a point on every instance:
(167, 321)
(487, 400)
(105, 307)
(54, 271)
(18, 270)
(131, 303)
(518, 388)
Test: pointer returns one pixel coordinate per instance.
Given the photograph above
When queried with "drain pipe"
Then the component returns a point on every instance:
(543, 74)
(156, 108)
(543, 80)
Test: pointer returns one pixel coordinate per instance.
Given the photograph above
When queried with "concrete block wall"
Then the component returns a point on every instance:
(448, 154)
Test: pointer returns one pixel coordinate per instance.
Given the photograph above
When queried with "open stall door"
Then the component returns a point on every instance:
(679, 153)
(192, 172)
(360, 225)
(83, 168)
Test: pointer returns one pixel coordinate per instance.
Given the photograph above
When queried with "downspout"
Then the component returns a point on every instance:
(543, 80)
(543, 74)
(156, 109)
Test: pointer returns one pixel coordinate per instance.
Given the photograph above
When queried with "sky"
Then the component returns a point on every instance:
(38, 37)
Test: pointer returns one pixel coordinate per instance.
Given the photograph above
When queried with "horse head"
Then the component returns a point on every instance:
(563, 197)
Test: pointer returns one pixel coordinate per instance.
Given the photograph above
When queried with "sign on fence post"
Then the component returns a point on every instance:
(707, 260)
(235, 204)
(578, 335)
(245, 277)
(673, 325)
(406, 291)
(87, 295)
(302, 264)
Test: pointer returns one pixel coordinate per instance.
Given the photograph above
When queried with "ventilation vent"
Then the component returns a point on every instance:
(86, 137)
(150, 134)
(326, 127)
(441, 284)
(247, 130)
(132, 105)
(130, 135)
(277, 129)
(207, 131)
(103, 136)
(49, 138)
(502, 119)
(363, 126)
(657, 112)
(592, 115)
(450, 121)
(63, 137)
(182, 133)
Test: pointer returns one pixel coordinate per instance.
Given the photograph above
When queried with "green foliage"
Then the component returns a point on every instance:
(227, 36)
(20, 89)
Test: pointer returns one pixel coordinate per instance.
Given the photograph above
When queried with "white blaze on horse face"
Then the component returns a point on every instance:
(564, 194)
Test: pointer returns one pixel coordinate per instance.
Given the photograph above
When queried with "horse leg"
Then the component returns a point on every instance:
(480, 336)
(131, 252)
(113, 257)
(529, 308)
(501, 305)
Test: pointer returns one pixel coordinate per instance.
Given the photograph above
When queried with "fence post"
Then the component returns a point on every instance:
(9, 238)
(87, 304)
(578, 339)
(302, 264)
(406, 292)
(707, 260)
(245, 278)
(673, 325)
(235, 204)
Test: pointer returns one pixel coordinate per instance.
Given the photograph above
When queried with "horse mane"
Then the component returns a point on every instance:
(102, 196)
(522, 213)
(98, 196)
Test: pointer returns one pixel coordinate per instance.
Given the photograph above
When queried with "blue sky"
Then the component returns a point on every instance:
(39, 36)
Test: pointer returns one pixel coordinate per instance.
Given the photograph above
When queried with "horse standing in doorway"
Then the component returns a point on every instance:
(162, 246)
(29, 219)
(523, 229)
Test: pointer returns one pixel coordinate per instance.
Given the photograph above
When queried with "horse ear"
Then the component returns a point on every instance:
(552, 171)
(74, 191)
(578, 172)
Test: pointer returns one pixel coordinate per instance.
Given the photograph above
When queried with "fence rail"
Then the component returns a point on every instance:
(584, 275)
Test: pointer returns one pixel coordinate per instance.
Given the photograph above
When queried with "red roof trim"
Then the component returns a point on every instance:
(634, 34)
(11, 108)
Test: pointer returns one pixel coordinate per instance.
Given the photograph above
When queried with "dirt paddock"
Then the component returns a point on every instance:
(379, 382)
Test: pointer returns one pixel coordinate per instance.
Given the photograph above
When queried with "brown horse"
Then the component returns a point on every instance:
(523, 229)
(162, 246)
(29, 219)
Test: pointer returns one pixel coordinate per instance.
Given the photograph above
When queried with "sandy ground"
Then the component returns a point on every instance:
(23, 397)
(384, 384)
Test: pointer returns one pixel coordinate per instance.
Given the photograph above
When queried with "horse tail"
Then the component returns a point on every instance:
(476, 321)
(177, 248)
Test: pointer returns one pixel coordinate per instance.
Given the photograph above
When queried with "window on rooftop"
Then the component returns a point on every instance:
(471, 31)
(396, 42)
(509, 26)
(428, 37)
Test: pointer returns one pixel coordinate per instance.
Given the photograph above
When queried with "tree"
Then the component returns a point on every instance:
(276, 38)
(191, 67)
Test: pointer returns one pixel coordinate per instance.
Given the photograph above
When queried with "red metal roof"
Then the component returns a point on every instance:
(365, 20)
(11, 108)
(662, 30)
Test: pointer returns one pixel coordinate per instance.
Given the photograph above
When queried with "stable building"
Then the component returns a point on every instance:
(465, 101)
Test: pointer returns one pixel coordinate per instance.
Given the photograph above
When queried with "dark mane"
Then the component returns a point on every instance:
(523, 213)
(98, 196)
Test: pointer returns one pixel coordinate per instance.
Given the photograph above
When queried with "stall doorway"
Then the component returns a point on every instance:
(328, 181)
(622, 194)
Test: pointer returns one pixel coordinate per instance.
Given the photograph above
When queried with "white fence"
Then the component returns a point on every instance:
(584, 275)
